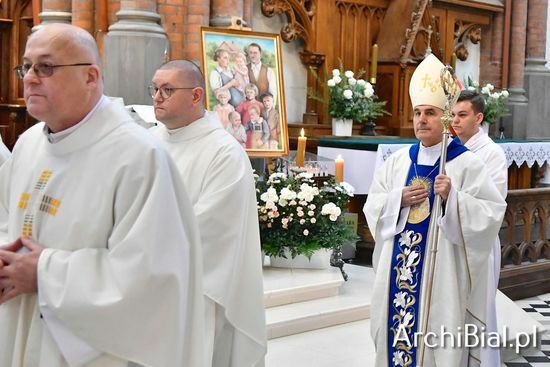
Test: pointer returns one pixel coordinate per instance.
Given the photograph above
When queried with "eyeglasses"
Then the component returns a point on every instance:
(42, 70)
(165, 92)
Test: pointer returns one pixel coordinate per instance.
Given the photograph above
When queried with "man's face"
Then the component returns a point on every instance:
(254, 54)
(268, 102)
(465, 121)
(427, 124)
(171, 111)
(55, 99)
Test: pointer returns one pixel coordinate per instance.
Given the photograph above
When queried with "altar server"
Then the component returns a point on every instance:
(217, 173)
(398, 211)
(103, 265)
(467, 122)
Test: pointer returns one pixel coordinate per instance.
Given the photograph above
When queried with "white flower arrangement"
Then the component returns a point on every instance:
(495, 102)
(301, 215)
(351, 97)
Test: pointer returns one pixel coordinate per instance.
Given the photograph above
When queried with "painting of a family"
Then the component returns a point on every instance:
(244, 90)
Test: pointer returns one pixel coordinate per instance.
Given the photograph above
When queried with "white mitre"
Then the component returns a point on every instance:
(425, 87)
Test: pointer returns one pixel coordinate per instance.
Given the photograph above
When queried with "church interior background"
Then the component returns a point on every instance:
(315, 318)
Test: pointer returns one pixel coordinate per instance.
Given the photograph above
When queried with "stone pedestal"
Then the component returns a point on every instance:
(515, 125)
(135, 47)
(537, 86)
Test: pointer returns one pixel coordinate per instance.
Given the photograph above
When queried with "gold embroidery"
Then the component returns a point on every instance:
(419, 212)
(23, 200)
(49, 205)
(26, 231)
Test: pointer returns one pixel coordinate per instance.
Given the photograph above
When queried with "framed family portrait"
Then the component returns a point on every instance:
(243, 74)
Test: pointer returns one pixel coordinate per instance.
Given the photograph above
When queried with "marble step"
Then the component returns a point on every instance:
(352, 303)
(511, 316)
(284, 286)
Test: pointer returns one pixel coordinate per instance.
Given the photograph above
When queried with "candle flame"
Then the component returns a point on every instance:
(339, 156)
(302, 133)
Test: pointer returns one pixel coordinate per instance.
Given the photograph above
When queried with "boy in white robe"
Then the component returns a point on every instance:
(103, 263)
(467, 121)
(398, 212)
(217, 173)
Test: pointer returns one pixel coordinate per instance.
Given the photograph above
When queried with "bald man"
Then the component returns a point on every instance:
(217, 173)
(102, 265)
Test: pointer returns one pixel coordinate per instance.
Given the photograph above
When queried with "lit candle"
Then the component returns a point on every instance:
(339, 169)
(453, 61)
(301, 151)
(374, 64)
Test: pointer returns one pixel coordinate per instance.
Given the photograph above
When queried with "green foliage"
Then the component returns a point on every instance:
(298, 215)
(496, 103)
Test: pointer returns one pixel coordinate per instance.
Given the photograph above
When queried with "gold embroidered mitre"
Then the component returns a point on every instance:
(425, 87)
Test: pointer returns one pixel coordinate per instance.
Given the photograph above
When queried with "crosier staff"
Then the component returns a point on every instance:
(451, 88)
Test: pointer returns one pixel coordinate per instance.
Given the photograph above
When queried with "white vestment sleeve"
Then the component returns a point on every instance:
(448, 221)
(393, 218)
(75, 350)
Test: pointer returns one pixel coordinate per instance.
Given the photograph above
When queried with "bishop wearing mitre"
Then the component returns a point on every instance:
(399, 214)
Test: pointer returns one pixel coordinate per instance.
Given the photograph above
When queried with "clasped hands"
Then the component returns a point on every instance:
(18, 270)
(416, 194)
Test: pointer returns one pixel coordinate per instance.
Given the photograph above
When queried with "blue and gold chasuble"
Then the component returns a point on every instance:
(408, 261)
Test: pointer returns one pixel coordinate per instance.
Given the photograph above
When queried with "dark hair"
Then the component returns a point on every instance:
(266, 94)
(477, 101)
(191, 71)
(254, 44)
(218, 53)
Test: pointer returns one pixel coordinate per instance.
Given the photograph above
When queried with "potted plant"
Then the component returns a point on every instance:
(350, 98)
(496, 103)
(300, 217)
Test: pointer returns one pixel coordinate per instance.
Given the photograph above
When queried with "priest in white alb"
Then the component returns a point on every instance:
(467, 121)
(103, 265)
(218, 176)
(399, 214)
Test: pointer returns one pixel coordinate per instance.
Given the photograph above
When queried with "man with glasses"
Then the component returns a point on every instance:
(218, 176)
(102, 265)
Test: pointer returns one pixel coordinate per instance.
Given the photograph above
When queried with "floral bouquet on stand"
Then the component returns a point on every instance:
(495, 101)
(299, 215)
(350, 98)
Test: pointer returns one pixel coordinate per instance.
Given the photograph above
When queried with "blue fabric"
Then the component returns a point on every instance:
(408, 256)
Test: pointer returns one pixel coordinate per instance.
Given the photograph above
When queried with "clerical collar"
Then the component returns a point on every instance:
(175, 131)
(57, 137)
(429, 155)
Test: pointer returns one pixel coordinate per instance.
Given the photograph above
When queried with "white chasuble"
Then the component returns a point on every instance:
(473, 214)
(495, 161)
(218, 177)
(120, 278)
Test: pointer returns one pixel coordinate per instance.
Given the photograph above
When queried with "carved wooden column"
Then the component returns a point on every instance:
(221, 12)
(314, 63)
(55, 11)
(135, 47)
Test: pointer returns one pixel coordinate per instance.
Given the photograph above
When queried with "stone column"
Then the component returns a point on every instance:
(537, 76)
(221, 12)
(135, 46)
(515, 124)
(54, 11)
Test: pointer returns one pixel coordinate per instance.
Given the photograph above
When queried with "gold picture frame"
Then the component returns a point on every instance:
(243, 75)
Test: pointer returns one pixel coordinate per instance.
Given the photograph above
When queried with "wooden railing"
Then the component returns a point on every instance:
(525, 248)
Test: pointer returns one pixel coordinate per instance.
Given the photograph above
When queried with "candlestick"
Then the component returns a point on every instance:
(453, 61)
(339, 169)
(301, 151)
(374, 64)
